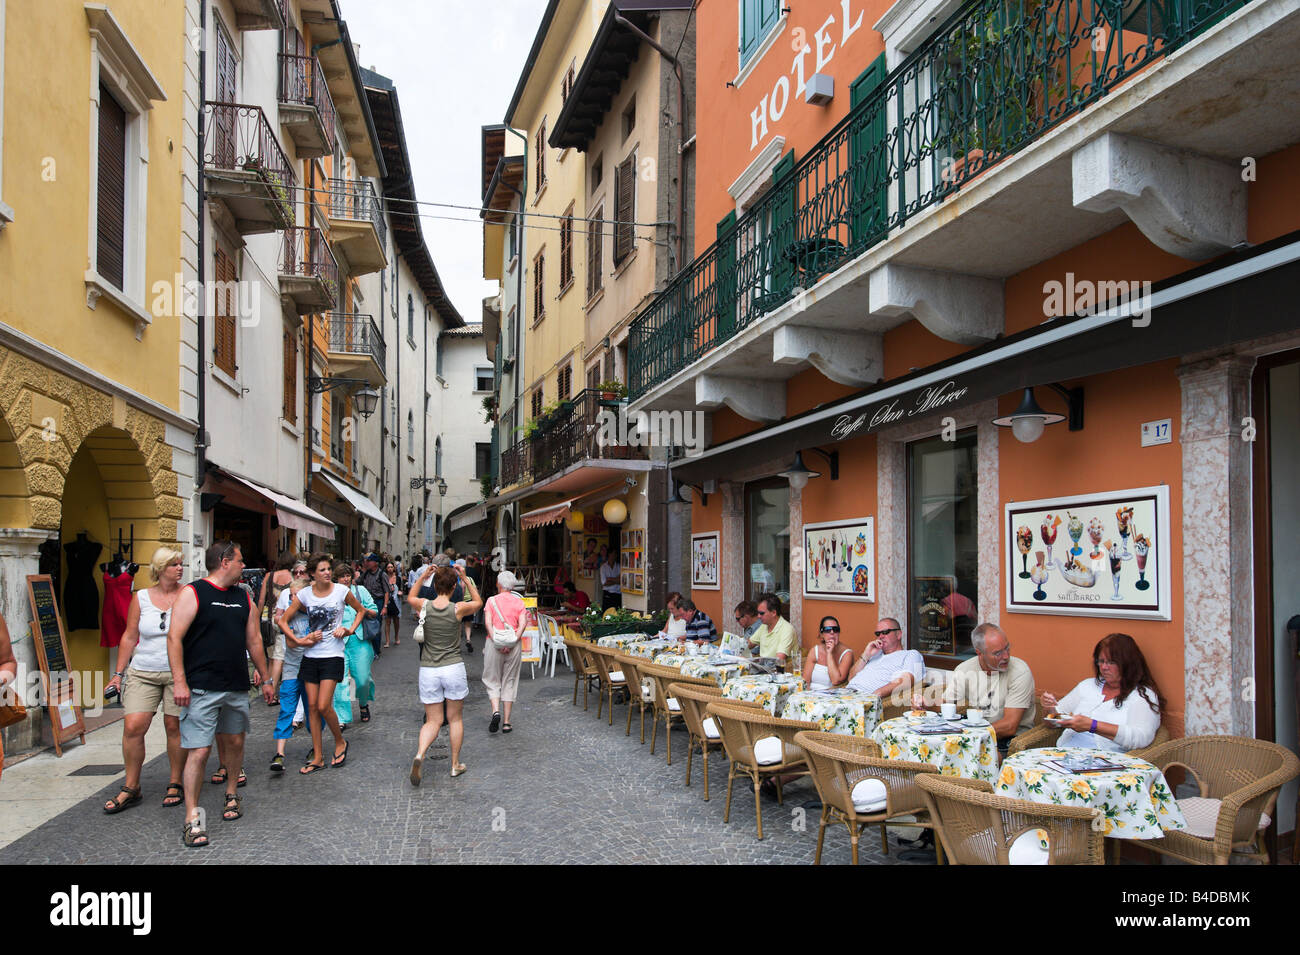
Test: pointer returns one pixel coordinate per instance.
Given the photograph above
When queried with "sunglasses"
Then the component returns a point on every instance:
(830, 629)
(162, 621)
(881, 633)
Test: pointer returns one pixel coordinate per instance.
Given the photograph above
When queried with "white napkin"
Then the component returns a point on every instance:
(767, 751)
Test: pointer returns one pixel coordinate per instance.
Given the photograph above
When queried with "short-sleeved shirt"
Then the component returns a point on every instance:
(700, 627)
(780, 639)
(995, 692)
(326, 615)
(580, 600)
(610, 576)
(884, 668)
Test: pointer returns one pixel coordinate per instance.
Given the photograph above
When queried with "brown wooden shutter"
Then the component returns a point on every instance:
(624, 208)
(540, 148)
(565, 382)
(539, 300)
(289, 410)
(111, 226)
(227, 91)
(224, 318)
(593, 377)
(595, 255)
(566, 248)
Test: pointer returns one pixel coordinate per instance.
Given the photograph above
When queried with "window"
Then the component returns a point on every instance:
(624, 209)
(597, 173)
(289, 401)
(539, 158)
(629, 118)
(593, 377)
(757, 19)
(437, 359)
(566, 248)
(767, 540)
(564, 382)
(483, 378)
(943, 552)
(595, 254)
(539, 300)
(410, 434)
(482, 459)
(338, 426)
(537, 403)
(224, 314)
(566, 86)
(410, 319)
(512, 233)
(510, 333)
(317, 412)
(111, 240)
(437, 456)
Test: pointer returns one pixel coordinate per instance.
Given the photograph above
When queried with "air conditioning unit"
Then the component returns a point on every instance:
(820, 89)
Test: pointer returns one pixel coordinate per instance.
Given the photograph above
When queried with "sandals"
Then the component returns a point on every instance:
(175, 795)
(277, 763)
(506, 727)
(417, 770)
(365, 714)
(459, 770)
(222, 774)
(232, 810)
(311, 767)
(193, 836)
(114, 805)
(495, 724)
(339, 760)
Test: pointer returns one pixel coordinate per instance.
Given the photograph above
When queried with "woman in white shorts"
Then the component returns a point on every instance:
(443, 683)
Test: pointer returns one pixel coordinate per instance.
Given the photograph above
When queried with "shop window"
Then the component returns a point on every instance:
(767, 540)
(943, 547)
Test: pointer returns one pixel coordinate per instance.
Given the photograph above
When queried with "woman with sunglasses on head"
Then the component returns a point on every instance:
(143, 657)
(1116, 709)
(393, 615)
(830, 661)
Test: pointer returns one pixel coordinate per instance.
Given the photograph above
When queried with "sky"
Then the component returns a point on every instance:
(455, 66)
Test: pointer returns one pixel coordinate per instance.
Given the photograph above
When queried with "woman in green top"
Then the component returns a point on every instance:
(443, 682)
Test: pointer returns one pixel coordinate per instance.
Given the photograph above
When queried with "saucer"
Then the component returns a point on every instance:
(968, 723)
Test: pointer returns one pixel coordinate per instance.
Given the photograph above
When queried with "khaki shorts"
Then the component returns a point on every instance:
(143, 690)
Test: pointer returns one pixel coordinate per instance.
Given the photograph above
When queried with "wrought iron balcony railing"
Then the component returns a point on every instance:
(356, 199)
(302, 82)
(238, 138)
(586, 426)
(305, 254)
(516, 463)
(352, 333)
(997, 75)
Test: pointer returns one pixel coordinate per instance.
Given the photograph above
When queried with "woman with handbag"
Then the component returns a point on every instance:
(392, 619)
(358, 651)
(443, 681)
(504, 616)
(10, 711)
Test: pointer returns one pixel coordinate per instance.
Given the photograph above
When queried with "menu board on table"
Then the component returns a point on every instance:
(51, 642)
(935, 629)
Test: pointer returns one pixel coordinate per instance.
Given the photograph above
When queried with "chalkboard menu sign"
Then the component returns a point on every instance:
(66, 719)
(934, 629)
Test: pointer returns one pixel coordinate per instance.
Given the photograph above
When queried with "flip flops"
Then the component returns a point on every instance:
(339, 760)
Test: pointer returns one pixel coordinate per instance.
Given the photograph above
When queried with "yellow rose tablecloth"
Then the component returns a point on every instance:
(1135, 801)
(649, 649)
(971, 752)
(771, 691)
(622, 642)
(671, 658)
(718, 672)
(840, 710)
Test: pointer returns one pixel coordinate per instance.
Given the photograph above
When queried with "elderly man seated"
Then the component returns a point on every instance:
(885, 666)
(997, 683)
(699, 627)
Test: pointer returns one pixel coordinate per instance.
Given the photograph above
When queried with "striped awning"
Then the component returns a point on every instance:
(546, 515)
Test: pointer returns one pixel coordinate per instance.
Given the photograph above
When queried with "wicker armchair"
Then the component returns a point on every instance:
(742, 727)
(611, 678)
(584, 671)
(662, 677)
(1243, 777)
(631, 667)
(838, 763)
(693, 700)
(977, 826)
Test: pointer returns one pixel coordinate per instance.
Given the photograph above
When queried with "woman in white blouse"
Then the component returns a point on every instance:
(1119, 709)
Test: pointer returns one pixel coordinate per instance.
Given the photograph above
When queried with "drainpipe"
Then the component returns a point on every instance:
(201, 438)
(681, 131)
(424, 416)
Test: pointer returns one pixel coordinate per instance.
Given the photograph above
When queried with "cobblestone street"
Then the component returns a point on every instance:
(562, 788)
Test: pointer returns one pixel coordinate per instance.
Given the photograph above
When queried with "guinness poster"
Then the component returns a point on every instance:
(934, 629)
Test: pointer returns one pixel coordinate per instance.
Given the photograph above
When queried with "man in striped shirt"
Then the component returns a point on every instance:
(698, 625)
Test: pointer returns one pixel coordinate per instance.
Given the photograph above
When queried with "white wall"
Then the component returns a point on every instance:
(461, 423)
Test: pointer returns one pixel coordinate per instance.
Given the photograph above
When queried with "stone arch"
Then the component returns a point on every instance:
(14, 491)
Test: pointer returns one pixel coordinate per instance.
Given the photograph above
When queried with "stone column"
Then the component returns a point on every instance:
(795, 615)
(1218, 603)
(732, 545)
(18, 558)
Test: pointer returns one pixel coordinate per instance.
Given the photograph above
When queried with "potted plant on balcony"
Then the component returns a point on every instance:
(489, 408)
(611, 390)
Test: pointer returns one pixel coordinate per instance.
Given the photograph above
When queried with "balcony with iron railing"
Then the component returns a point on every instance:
(306, 107)
(960, 161)
(246, 172)
(308, 274)
(356, 348)
(587, 429)
(517, 463)
(357, 224)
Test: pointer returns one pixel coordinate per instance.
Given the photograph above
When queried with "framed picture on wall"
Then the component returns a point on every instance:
(1097, 555)
(839, 560)
(704, 561)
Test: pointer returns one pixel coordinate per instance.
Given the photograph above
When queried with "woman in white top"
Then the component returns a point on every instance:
(830, 661)
(322, 659)
(1119, 709)
(143, 655)
(674, 629)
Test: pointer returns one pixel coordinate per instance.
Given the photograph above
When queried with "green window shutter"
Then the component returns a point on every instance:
(757, 18)
(724, 281)
(784, 226)
(869, 160)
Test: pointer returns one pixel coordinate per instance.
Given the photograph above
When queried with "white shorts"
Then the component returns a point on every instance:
(439, 683)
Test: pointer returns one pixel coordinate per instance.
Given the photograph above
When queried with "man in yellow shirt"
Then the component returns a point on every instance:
(776, 637)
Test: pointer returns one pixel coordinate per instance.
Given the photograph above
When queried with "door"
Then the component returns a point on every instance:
(225, 148)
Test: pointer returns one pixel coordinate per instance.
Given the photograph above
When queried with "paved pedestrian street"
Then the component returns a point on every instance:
(562, 788)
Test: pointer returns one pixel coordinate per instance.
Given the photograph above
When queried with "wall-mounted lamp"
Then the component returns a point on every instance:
(798, 475)
(682, 495)
(364, 397)
(1028, 420)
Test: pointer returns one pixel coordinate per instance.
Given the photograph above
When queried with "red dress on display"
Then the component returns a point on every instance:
(117, 600)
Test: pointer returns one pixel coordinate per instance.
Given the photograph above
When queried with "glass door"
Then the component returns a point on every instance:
(767, 540)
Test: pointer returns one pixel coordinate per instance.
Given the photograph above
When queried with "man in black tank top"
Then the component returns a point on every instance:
(213, 626)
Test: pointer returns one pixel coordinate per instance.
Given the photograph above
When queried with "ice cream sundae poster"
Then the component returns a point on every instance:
(704, 561)
(1098, 555)
(839, 560)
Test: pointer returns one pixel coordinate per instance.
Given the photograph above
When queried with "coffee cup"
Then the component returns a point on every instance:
(949, 711)
(975, 716)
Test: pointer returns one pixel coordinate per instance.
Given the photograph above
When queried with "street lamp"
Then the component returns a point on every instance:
(364, 398)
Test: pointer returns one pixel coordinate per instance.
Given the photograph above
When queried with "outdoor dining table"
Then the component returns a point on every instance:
(769, 690)
(621, 641)
(963, 751)
(648, 649)
(719, 670)
(1135, 799)
(838, 710)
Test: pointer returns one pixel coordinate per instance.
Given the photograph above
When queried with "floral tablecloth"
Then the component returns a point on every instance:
(840, 710)
(970, 752)
(1136, 801)
(649, 649)
(770, 690)
(621, 641)
(671, 658)
(717, 671)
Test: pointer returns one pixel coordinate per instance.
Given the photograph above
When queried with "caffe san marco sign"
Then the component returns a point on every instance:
(928, 400)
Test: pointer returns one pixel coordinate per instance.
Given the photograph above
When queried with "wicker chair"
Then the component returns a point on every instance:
(838, 763)
(611, 678)
(1243, 776)
(662, 677)
(631, 667)
(693, 700)
(584, 671)
(742, 727)
(977, 826)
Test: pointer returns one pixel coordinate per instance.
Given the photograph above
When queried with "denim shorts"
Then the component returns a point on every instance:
(213, 711)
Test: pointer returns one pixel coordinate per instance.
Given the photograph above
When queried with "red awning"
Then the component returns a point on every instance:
(546, 515)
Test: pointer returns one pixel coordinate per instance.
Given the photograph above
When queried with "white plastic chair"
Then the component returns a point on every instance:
(555, 644)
